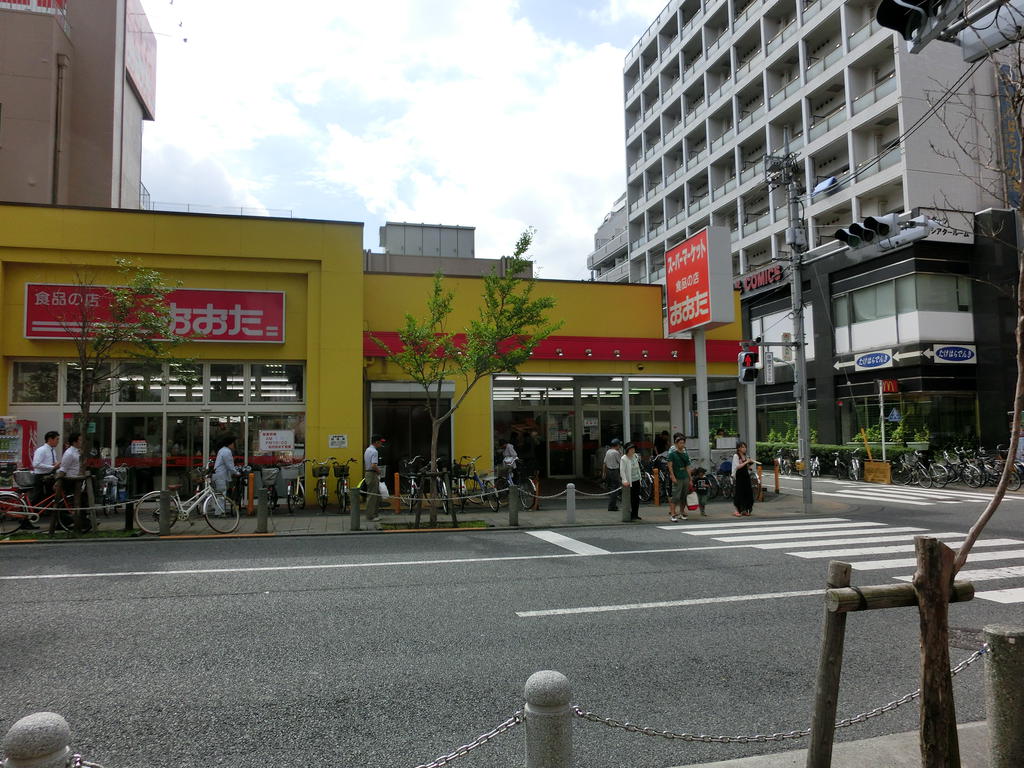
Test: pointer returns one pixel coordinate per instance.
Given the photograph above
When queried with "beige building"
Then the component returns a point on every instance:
(77, 80)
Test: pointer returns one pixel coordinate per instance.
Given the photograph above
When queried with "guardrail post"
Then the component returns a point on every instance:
(165, 513)
(1004, 695)
(548, 721)
(40, 740)
(262, 510)
(515, 502)
(830, 666)
(353, 497)
(570, 504)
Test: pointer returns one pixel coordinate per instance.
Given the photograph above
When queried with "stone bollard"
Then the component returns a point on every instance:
(165, 513)
(38, 741)
(262, 510)
(515, 503)
(1004, 695)
(570, 504)
(548, 721)
(353, 497)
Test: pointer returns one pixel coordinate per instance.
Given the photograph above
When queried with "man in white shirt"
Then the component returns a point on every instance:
(70, 475)
(45, 461)
(610, 473)
(371, 476)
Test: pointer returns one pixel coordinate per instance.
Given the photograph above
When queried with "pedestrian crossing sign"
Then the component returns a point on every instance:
(894, 415)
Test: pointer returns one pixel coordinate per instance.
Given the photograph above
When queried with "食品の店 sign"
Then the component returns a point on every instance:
(60, 311)
(698, 277)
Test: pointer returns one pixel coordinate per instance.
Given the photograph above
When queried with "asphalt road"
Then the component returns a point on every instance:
(388, 650)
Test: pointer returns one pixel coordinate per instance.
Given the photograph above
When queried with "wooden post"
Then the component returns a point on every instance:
(760, 483)
(657, 487)
(933, 582)
(249, 500)
(396, 497)
(777, 488)
(536, 500)
(830, 665)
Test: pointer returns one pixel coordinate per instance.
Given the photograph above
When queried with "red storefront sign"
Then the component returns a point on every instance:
(55, 311)
(688, 281)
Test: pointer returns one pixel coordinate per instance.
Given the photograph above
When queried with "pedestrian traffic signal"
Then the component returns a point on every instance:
(749, 366)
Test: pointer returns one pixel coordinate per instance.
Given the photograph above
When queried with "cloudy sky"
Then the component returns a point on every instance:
(495, 114)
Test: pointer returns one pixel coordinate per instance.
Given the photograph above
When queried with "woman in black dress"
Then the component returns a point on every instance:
(743, 489)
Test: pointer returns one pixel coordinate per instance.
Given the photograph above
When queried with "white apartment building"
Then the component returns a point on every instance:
(712, 87)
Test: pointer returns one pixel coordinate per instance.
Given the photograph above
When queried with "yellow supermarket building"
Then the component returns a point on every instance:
(286, 361)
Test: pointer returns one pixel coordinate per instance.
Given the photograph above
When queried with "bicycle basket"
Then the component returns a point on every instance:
(321, 470)
(23, 478)
(196, 474)
(269, 475)
(341, 470)
(291, 472)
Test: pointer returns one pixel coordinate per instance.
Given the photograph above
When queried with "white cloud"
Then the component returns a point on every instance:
(615, 11)
(456, 112)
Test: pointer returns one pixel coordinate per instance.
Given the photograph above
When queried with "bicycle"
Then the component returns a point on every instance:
(219, 511)
(782, 458)
(321, 471)
(295, 492)
(468, 485)
(15, 508)
(856, 466)
(525, 487)
(341, 472)
(268, 476)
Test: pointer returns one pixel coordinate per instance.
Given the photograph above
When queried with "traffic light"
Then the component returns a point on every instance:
(886, 232)
(905, 16)
(749, 366)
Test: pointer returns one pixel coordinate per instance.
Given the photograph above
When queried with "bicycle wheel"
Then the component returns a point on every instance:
(841, 470)
(924, 477)
(527, 492)
(415, 500)
(854, 472)
(787, 467)
(501, 489)
(321, 494)
(940, 475)
(646, 487)
(1013, 483)
(344, 502)
(461, 494)
(290, 499)
(973, 476)
(490, 495)
(900, 474)
(147, 513)
(444, 497)
(221, 513)
(13, 510)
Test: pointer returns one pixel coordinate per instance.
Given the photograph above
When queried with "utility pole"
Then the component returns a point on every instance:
(783, 171)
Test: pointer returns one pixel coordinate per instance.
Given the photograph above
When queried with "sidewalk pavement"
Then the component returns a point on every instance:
(591, 510)
(897, 750)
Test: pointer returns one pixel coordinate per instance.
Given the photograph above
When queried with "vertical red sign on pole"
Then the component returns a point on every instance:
(688, 283)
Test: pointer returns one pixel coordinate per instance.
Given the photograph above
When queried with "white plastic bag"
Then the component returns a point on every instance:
(692, 502)
(384, 490)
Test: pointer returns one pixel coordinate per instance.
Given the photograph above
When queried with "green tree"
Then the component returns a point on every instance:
(113, 327)
(511, 322)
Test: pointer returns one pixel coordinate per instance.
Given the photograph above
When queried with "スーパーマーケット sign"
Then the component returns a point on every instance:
(698, 281)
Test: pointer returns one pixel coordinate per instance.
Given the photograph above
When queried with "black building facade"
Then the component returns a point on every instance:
(936, 318)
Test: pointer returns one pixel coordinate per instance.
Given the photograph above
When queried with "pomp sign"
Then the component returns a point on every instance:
(698, 276)
(57, 312)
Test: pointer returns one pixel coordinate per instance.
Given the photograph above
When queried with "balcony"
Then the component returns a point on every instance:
(635, 205)
(723, 36)
(653, 191)
(748, 66)
(717, 94)
(781, 95)
(656, 274)
(864, 33)
(636, 166)
(693, 67)
(890, 158)
(721, 191)
(698, 204)
(754, 171)
(632, 92)
(756, 224)
(672, 89)
(696, 156)
(818, 67)
(655, 231)
(752, 118)
(651, 109)
(631, 131)
(616, 274)
(875, 95)
(722, 140)
(782, 36)
(673, 133)
(635, 245)
(812, 10)
(825, 125)
(751, 9)
(676, 220)
(649, 72)
(691, 113)
(676, 174)
(600, 254)
(652, 150)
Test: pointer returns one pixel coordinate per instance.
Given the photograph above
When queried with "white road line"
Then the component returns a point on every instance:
(765, 529)
(916, 491)
(336, 566)
(573, 545)
(881, 565)
(875, 498)
(807, 535)
(1004, 596)
(756, 523)
(668, 603)
(864, 540)
(982, 574)
(896, 548)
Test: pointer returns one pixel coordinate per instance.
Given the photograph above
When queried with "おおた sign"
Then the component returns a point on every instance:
(698, 275)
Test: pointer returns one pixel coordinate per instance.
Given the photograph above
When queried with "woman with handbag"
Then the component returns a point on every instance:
(743, 493)
(629, 471)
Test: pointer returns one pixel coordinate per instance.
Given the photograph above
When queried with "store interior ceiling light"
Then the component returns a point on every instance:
(533, 378)
(649, 379)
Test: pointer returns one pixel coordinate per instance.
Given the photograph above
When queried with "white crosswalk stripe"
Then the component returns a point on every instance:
(900, 494)
(861, 542)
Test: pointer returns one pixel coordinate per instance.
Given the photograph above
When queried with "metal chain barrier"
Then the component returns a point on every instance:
(77, 761)
(479, 741)
(769, 737)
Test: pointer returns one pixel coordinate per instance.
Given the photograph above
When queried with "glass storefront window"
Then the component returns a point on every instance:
(34, 383)
(140, 382)
(276, 383)
(96, 441)
(227, 382)
(101, 384)
(185, 383)
(138, 445)
(296, 422)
